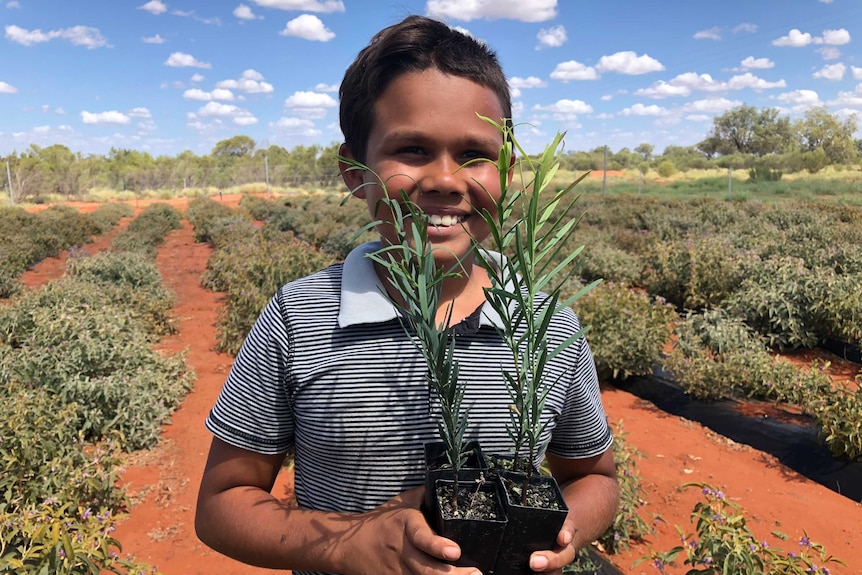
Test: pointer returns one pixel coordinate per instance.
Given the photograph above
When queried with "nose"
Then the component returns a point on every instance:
(443, 176)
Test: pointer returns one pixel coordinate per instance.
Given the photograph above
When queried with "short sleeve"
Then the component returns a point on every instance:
(582, 428)
(253, 410)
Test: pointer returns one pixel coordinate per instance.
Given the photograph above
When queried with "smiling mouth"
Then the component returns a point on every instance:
(445, 221)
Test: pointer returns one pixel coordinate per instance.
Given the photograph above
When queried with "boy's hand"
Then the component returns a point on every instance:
(396, 539)
(554, 561)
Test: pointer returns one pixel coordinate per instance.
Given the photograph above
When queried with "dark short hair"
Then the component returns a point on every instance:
(413, 45)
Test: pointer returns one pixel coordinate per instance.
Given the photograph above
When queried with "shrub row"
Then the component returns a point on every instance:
(717, 356)
(26, 239)
(147, 232)
(82, 385)
(249, 265)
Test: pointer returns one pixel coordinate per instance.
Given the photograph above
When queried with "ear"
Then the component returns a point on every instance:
(353, 178)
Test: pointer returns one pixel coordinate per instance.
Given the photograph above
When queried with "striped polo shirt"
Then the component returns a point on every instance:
(329, 372)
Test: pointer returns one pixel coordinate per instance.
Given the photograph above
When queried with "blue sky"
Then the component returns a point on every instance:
(165, 76)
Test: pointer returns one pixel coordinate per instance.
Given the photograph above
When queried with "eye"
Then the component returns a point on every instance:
(476, 154)
(411, 150)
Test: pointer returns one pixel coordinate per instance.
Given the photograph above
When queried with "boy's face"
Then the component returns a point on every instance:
(425, 128)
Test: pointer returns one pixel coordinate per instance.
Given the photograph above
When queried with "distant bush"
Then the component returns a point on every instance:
(666, 169)
(628, 330)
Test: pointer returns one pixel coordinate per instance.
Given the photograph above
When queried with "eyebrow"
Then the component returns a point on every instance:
(468, 141)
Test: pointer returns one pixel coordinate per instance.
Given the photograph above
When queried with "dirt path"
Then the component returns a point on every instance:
(163, 482)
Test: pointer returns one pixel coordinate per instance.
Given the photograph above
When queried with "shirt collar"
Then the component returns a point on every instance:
(363, 298)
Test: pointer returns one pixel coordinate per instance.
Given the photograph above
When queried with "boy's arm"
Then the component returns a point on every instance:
(237, 516)
(591, 491)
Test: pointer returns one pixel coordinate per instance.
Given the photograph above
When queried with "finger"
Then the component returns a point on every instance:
(422, 537)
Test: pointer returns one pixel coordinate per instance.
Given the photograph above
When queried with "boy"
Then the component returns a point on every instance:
(328, 371)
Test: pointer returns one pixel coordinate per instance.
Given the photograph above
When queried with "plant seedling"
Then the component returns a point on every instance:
(531, 229)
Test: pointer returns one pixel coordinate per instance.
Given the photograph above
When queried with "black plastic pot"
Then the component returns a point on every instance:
(528, 529)
(479, 539)
(437, 466)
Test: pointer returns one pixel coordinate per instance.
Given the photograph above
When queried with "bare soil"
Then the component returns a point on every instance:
(163, 482)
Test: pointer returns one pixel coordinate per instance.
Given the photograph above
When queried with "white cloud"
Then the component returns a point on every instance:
(308, 27)
(13, 4)
(551, 37)
(303, 5)
(251, 82)
(326, 87)
(566, 110)
(829, 52)
(113, 117)
(628, 63)
(182, 60)
(641, 110)
(523, 10)
(662, 89)
(849, 99)
(292, 124)
(243, 12)
(710, 105)
(857, 72)
(752, 63)
(836, 37)
(698, 117)
(797, 39)
(197, 78)
(85, 36)
(530, 82)
(800, 100)
(201, 95)
(238, 115)
(607, 98)
(833, 72)
(7, 88)
(157, 39)
(140, 113)
(572, 70)
(794, 39)
(154, 7)
(708, 34)
(310, 104)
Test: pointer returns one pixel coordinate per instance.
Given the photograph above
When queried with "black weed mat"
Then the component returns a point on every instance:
(794, 445)
(594, 564)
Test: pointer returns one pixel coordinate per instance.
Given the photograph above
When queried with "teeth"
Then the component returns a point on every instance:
(447, 220)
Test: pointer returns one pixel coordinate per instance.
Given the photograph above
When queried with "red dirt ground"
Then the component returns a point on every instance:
(163, 482)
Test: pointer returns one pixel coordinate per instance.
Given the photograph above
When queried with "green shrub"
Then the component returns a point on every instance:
(777, 299)
(628, 330)
(42, 456)
(724, 543)
(696, 272)
(601, 261)
(839, 309)
(250, 271)
(666, 169)
(147, 232)
(107, 216)
(54, 538)
(202, 212)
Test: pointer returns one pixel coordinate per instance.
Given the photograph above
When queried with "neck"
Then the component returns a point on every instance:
(462, 293)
